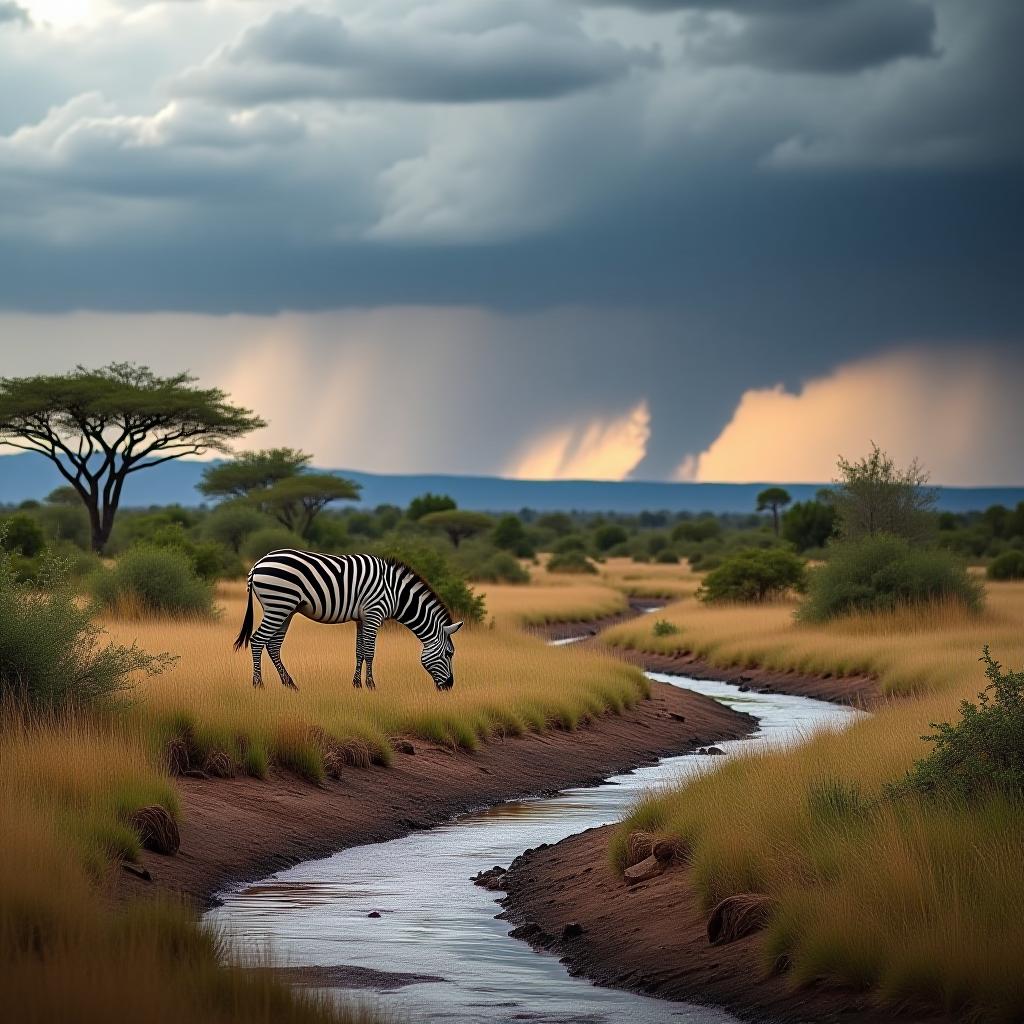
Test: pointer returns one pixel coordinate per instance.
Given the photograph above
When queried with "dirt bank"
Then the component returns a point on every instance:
(652, 938)
(860, 691)
(237, 830)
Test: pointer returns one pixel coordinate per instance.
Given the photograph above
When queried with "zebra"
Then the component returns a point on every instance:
(339, 588)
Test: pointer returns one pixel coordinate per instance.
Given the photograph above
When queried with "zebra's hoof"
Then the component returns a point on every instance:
(290, 683)
(370, 684)
(257, 684)
(357, 683)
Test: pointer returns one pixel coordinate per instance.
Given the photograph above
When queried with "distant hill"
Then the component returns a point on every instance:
(25, 476)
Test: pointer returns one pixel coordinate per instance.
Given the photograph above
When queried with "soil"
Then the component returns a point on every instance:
(240, 829)
(652, 938)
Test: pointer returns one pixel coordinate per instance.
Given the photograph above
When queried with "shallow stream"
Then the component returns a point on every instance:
(434, 921)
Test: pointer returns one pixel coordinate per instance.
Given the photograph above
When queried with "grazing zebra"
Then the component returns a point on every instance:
(338, 588)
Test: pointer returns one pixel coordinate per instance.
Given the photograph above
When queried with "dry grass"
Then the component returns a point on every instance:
(552, 597)
(66, 789)
(506, 683)
(651, 580)
(918, 900)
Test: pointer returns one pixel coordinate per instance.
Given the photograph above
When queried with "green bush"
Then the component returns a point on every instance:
(566, 545)
(666, 557)
(22, 534)
(440, 572)
(510, 534)
(983, 752)
(498, 567)
(51, 653)
(229, 524)
(153, 579)
(882, 573)
(757, 574)
(665, 628)
(210, 559)
(607, 537)
(270, 538)
(1007, 566)
(572, 562)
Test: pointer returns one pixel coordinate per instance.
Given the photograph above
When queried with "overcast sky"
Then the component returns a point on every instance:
(671, 239)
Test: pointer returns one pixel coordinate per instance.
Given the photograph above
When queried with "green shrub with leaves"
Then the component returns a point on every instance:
(22, 534)
(754, 575)
(257, 544)
(52, 654)
(1007, 566)
(983, 753)
(571, 562)
(665, 628)
(439, 571)
(882, 573)
(149, 579)
(498, 567)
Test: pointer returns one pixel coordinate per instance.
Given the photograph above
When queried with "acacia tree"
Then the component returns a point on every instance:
(297, 500)
(773, 498)
(252, 471)
(100, 426)
(458, 523)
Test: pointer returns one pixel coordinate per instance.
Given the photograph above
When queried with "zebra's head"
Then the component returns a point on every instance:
(437, 656)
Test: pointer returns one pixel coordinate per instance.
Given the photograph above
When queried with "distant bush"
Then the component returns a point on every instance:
(565, 545)
(666, 557)
(499, 567)
(571, 562)
(665, 628)
(440, 572)
(758, 574)
(882, 573)
(231, 523)
(984, 751)
(606, 537)
(210, 559)
(510, 534)
(1007, 566)
(148, 579)
(51, 655)
(22, 534)
(697, 530)
(427, 503)
(705, 561)
(809, 524)
(270, 538)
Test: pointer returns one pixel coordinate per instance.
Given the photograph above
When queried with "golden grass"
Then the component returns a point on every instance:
(649, 579)
(552, 597)
(66, 789)
(918, 900)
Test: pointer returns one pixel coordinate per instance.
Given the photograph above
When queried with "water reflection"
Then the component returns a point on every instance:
(433, 921)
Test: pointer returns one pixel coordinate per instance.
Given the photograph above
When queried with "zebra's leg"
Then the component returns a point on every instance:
(357, 679)
(274, 650)
(257, 642)
(371, 623)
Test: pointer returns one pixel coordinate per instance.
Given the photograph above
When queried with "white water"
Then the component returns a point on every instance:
(434, 921)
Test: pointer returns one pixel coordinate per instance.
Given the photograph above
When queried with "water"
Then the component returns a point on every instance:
(434, 921)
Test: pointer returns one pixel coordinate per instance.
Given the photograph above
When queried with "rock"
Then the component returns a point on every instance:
(572, 930)
(737, 916)
(138, 870)
(403, 746)
(640, 846)
(494, 884)
(744, 688)
(490, 879)
(666, 851)
(373, 913)
(219, 765)
(714, 750)
(644, 871)
(156, 829)
(678, 717)
(177, 756)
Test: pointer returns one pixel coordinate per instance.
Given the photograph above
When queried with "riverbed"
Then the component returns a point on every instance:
(434, 922)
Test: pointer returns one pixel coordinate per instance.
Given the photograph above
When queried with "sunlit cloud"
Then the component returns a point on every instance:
(956, 411)
(595, 449)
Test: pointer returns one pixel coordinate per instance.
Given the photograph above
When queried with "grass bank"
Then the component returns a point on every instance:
(914, 899)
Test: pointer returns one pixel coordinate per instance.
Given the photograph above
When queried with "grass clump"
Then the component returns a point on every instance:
(983, 752)
(753, 576)
(148, 579)
(883, 573)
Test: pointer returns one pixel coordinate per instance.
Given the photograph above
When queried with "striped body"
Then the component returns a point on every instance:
(342, 588)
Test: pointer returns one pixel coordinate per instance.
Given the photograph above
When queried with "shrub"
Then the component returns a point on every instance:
(510, 534)
(440, 572)
(51, 654)
(566, 545)
(229, 524)
(882, 573)
(427, 503)
(153, 579)
(499, 567)
(23, 534)
(809, 524)
(572, 562)
(1007, 566)
(211, 560)
(667, 557)
(257, 544)
(606, 537)
(984, 751)
(665, 628)
(757, 574)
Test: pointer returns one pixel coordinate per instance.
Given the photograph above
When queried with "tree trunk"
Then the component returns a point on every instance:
(775, 518)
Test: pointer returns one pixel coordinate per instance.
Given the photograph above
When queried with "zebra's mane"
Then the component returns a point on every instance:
(397, 563)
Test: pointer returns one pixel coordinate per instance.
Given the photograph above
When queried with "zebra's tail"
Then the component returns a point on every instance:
(246, 631)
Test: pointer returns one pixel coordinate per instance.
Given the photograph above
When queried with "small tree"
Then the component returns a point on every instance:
(773, 498)
(754, 575)
(809, 524)
(252, 471)
(874, 496)
(100, 426)
(427, 503)
(458, 523)
(510, 535)
(296, 501)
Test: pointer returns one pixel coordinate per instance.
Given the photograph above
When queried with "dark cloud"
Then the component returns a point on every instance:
(519, 52)
(821, 36)
(13, 13)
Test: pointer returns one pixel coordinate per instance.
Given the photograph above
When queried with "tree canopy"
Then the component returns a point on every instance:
(773, 498)
(427, 503)
(100, 426)
(252, 471)
(458, 523)
(297, 500)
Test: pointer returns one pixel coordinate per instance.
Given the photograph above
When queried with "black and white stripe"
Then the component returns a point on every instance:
(339, 588)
